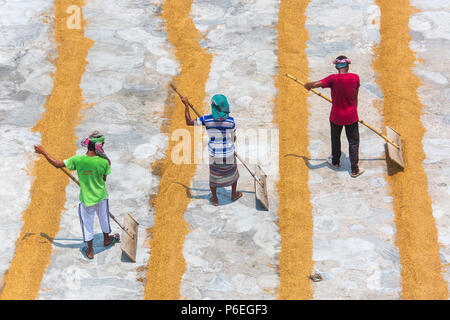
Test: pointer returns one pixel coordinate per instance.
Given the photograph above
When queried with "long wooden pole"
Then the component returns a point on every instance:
(361, 121)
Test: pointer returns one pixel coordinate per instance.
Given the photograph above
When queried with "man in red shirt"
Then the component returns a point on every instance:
(344, 94)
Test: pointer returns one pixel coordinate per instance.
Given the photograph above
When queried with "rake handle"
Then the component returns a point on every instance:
(237, 156)
(361, 121)
(380, 134)
(253, 175)
(181, 96)
(111, 215)
(70, 176)
(303, 84)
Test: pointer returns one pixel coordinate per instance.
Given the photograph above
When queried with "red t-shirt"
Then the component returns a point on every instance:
(343, 94)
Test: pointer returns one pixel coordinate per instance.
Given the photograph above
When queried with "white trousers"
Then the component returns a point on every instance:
(87, 215)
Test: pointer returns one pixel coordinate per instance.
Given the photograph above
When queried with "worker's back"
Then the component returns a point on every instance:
(91, 171)
(344, 87)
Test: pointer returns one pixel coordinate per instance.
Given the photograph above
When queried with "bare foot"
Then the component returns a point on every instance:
(214, 200)
(89, 252)
(236, 196)
(110, 239)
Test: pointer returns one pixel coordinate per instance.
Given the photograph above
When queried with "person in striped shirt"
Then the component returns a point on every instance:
(221, 128)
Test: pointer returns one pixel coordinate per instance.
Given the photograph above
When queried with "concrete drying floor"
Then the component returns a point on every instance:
(114, 78)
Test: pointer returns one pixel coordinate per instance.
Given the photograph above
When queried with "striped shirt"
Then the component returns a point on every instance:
(221, 135)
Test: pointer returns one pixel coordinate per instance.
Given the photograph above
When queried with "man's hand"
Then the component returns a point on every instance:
(187, 115)
(309, 85)
(185, 100)
(54, 162)
(312, 85)
(39, 149)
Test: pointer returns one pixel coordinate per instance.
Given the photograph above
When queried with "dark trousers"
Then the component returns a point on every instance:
(352, 133)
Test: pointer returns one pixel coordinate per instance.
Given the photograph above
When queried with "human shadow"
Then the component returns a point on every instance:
(308, 163)
(97, 242)
(56, 243)
(52, 240)
(223, 194)
(344, 162)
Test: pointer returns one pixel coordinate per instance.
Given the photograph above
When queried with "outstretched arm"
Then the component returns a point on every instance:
(187, 115)
(53, 161)
(313, 85)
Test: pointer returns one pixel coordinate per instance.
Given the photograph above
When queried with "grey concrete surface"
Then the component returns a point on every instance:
(354, 230)
(232, 250)
(430, 31)
(25, 82)
(129, 67)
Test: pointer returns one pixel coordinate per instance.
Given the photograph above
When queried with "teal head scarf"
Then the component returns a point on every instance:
(220, 107)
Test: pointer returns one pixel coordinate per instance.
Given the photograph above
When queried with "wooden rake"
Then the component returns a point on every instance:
(394, 146)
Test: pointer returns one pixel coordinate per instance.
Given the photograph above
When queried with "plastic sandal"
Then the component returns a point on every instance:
(357, 174)
(116, 238)
(84, 250)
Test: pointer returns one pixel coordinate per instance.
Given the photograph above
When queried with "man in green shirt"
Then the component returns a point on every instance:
(92, 169)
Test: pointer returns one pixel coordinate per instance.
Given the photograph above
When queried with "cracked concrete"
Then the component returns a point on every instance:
(25, 81)
(232, 250)
(128, 98)
(430, 39)
(352, 224)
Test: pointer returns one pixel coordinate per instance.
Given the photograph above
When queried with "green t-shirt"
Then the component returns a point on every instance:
(90, 174)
